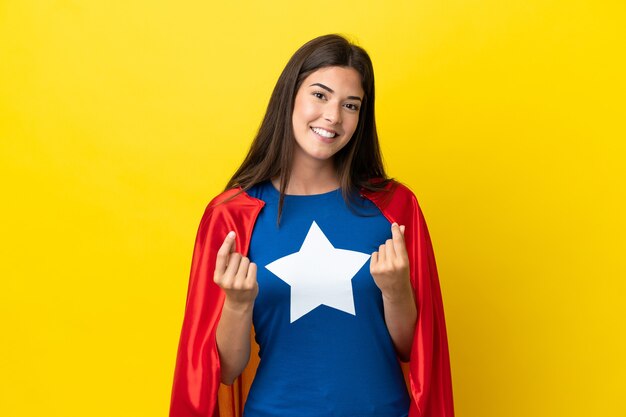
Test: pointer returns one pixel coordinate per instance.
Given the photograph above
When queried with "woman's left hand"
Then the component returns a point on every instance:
(391, 271)
(390, 266)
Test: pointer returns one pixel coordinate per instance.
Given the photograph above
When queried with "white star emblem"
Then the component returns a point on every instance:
(319, 274)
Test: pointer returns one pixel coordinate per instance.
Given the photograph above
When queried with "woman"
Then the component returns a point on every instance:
(328, 259)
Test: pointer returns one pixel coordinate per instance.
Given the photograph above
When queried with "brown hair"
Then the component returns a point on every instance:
(271, 152)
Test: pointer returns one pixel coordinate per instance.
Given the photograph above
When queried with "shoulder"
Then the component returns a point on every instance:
(232, 209)
(397, 202)
(393, 192)
(232, 197)
(402, 192)
(232, 201)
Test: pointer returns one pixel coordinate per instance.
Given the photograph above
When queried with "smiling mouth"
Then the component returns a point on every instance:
(324, 133)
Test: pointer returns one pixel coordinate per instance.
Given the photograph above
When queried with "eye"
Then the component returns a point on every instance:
(352, 107)
(319, 95)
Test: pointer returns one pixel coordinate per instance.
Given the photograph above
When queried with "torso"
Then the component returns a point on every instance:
(319, 322)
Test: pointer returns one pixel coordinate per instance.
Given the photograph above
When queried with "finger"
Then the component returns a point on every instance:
(374, 258)
(374, 262)
(231, 269)
(251, 276)
(382, 251)
(224, 251)
(242, 272)
(390, 252)
(396, 234)
(398, 239)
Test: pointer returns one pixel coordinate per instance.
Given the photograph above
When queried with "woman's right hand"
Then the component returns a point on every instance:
(236, 275)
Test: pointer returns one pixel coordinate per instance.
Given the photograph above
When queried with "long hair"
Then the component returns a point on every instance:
(271, 152)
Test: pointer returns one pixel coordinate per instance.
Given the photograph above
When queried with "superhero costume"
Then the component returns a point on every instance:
(197, 390)
(319, 317)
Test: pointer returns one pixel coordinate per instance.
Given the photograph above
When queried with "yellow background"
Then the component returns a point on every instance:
(119, 120)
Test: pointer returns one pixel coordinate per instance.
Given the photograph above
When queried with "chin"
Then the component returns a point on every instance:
(324, 157)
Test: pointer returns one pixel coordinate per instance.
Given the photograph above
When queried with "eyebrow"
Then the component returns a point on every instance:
(330, 90)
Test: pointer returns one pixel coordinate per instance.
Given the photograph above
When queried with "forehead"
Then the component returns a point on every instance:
(342, 80)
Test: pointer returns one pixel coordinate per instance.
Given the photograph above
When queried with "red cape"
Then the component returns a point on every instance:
(197, 391)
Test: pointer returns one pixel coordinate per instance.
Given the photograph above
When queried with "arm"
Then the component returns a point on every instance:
(236, 275)
(400, 317)
(390, 269)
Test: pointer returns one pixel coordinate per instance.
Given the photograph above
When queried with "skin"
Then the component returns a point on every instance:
(315, 107)
(329, 99)
(236, 275)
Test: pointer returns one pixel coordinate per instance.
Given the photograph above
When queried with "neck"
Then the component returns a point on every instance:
(311, 177)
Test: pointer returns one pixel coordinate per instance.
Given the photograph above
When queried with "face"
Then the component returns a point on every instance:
(326, 112)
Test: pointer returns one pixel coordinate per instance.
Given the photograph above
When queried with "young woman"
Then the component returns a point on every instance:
(324, 256)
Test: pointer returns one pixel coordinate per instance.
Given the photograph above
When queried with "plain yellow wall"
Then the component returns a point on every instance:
(119, 120)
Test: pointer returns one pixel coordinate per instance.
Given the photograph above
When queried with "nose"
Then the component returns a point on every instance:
(332, 113)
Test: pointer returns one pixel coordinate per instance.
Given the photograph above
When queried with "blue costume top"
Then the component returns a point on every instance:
(324, 347)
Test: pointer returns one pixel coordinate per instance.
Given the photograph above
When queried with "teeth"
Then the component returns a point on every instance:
(323, 132)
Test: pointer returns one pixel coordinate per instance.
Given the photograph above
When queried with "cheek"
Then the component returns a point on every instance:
(353, 124)
(302, 111)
